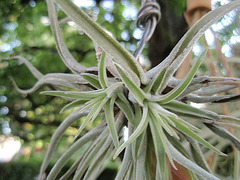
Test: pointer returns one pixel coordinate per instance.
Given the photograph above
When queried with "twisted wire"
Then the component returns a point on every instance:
(148, 16)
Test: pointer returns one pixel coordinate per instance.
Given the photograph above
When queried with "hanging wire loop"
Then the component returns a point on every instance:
(148, 16)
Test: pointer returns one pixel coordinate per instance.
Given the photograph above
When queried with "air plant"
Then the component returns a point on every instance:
(126, 95)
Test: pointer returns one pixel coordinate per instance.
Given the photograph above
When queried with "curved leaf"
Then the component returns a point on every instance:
(137, 92)
(109, 114)
(63, 51)
(126, 109)
(37, 74)
(142, 125)
(177, 156)
(57, 136)
(224, 134)
(92, 79)
(102, 74)
(102, 38)
(187, 109)
(73, 104)
(96, 108)
(67, 155)
(87, 95)
(190, 133)
(159, 148)
(185, 82)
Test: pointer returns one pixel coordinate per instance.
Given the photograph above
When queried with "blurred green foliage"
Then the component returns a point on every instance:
(18, 170)
(25, 31)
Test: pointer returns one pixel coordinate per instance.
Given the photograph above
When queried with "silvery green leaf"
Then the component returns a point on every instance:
(101, 105)
(213, 99)
(95, 146)
(160, 122)
(186, 124)
(111, 90)
(156, 82)
(68, 80)
(197, 154)
(149, 165)
(104, 152)
(57, 79)
(92, 79)
(98, 50)
(106, 148)
(87, 95)
(159, 130)
(121, 96)
(222, 81)
(141, 127)
(222, 132)
(101, 37)
(96, 108)
(201, 26)
(136, 144)
(177, 156)
(57, 136)
(159, 148)
(130, 172)
(158, 108)
(37, 74)
(26, 91)
(169, 123)
(83, 165)
(95, 167)
(126, 109)
(109, 114)
(190, 133)
(75, 147)
(187, 109)
(63, 51)
(137, 92)
(212, 91)
(102, 74)
(185, 82)
(178, 145)
(230, 120)
(189, 89)
(111, 67)
(126, 163)
(236, 162)
(73, 104)
(73, 167)
(141, 159)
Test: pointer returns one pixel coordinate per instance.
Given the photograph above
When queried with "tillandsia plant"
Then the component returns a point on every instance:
(121, 92)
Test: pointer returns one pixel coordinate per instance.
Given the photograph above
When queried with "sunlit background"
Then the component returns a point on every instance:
(13, 146)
